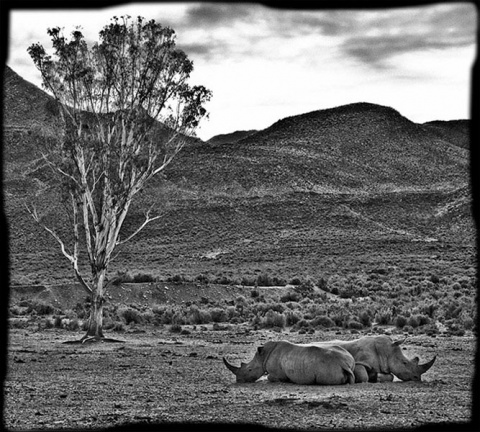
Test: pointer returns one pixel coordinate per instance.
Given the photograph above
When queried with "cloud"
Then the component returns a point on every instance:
(219, 14)
(376, 37)
(369, 37)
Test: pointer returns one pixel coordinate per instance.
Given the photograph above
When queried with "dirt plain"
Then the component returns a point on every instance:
(156, 377)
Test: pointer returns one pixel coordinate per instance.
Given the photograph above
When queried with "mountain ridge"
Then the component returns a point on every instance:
(289, 196)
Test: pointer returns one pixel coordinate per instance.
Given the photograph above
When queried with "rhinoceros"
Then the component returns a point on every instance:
(378, 358)
(287, 362)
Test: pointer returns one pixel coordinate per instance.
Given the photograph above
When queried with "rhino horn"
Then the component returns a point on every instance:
(234, 369)
(426, 366)
(399, 342)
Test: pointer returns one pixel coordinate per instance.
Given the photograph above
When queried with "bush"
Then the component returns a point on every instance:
(143, 278)
(198, 316)
(296, 281)
(383, 318)
(223, 280)
(57, 322)
(291, 318)
(322, 284)
(401, 321)
(177, 279)
(273, 319)
(254, 293)
(354, 325)
(305, 286)
(365, 319)
(413, 322)
(73, 324)
(40, 307)
(129, 315)
(322, 321)
(248, 282)
(175, 328)
(218, 315)
(122, 277)
(202, 279)
(290, 296)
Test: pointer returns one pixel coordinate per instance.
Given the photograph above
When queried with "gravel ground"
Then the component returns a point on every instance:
(156, 376)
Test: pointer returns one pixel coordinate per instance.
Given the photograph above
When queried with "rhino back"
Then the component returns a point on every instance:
(309, 364)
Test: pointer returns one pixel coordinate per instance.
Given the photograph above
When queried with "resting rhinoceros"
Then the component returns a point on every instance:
(378, 358)
(287, 362)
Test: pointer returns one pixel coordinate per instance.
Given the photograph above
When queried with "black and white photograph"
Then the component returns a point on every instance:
(239, 215)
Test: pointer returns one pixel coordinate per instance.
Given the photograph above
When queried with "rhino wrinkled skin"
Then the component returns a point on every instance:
(287, 362)
(378, 358)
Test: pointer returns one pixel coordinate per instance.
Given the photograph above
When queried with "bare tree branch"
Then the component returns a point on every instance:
(147, 220)
(73, 260)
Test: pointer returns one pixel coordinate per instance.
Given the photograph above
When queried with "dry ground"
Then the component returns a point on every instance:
(156, 376)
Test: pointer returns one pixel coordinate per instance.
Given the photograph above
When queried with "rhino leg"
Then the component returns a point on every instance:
(384, 377)
(275, 378)
(350, 376)
(361, 374)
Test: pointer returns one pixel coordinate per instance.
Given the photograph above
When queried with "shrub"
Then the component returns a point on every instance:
(41, 307)
(48, 323)
(254, 293)
(175, 328)
(365, 319)
(198, 316)
(18, 310)
(322, 284)
(129, 315)
(223, 280)
(264, 280)
(218, 315)
(143, 278)
(413, 322)
(248, 282)
(177, 279)
(291, 318)
(273, 319)
(118, 327)
(123, 277)
(73, 324)
(231, 312)
(322, 321)
(334, 290)
(354, 325)
(290, 296)
(383, 318)
(400, 321)
(435, 279)
(296, 281)
(202, 279)
(305, 286)
(278, 281)
(57, 322)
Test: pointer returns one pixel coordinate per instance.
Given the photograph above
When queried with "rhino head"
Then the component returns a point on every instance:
(402, 367)
(248, 372)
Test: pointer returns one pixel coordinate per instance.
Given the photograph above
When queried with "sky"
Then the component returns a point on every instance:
(264, 64)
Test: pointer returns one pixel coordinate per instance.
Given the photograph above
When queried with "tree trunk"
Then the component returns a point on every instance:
(95, 322)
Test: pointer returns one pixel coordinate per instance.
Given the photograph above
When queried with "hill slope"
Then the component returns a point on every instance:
(345, 188)
(231, 137)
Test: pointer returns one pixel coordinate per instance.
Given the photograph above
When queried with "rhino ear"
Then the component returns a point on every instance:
(399, 342)
(416, 360)
(242, 364)
(260, 350)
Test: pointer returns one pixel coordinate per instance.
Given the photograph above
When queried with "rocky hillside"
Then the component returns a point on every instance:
(454, 131)
(338, 188)
(231, 137)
